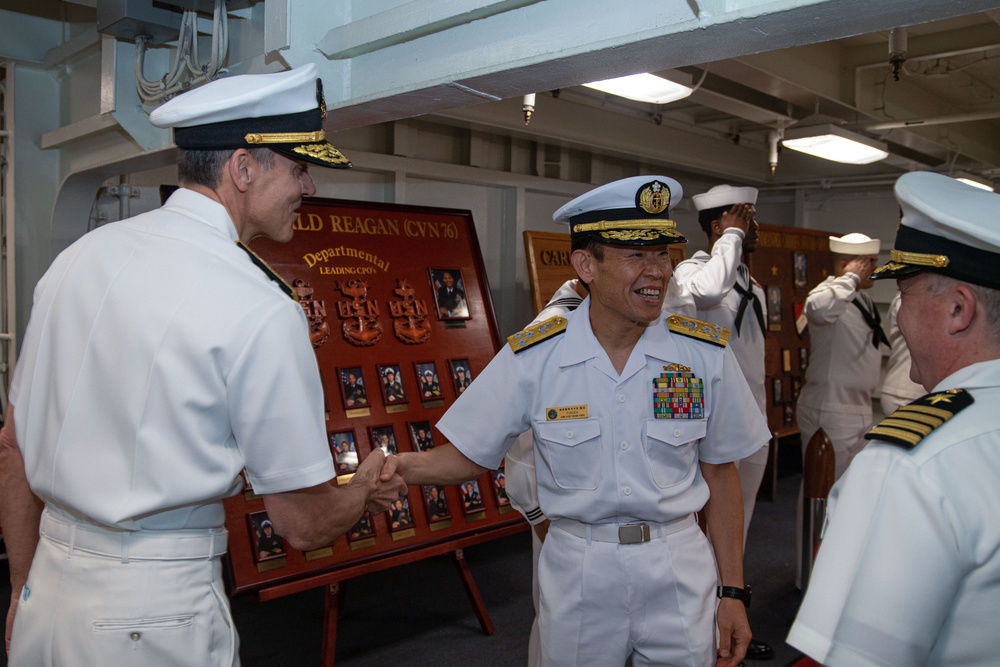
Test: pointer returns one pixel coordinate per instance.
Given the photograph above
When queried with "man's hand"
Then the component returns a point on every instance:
(862, 266)
(385, 485)
(734, 632)
(738, 216)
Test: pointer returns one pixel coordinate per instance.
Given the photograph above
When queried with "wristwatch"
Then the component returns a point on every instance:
(734, 592)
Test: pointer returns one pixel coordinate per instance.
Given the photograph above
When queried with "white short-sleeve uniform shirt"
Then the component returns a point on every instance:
(909, 569)
(157, 364)
(618, 462)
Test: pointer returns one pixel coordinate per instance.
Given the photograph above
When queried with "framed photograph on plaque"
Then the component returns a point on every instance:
(472, 501)
(437, 504)
(449, 294)
(399, 516)
(461, 374)
(500, 487)
(384, 437)
(799, 269)
(392, 384)
(363, 529)
(427, 380)
(352, 388)
(267, 545)
(345, 452)
(421, 436)
(774, 306)
(803, 359)
(777, 394)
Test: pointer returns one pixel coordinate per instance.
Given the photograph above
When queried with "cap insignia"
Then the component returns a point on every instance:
(535, 334)
(324, 152)
(919, 258)
(653, 198)
(692, 328)
(910, 424)
(889, 266)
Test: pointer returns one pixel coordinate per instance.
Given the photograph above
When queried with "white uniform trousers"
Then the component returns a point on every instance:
(751, 471)
(155, 601)
(602, 602)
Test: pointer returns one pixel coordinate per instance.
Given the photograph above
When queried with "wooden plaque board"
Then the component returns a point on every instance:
(368, 277)
(788, 262)
(549, 267)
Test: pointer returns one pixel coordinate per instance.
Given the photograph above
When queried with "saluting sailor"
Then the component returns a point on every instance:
(909, 569)
(637, 419)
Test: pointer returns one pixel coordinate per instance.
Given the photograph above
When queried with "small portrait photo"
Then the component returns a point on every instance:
(471, 500)
(362, 529)
(461, 374)
(345, 452)
(776, 392)
(392, 384)
(437, 504)
(399, 516)
(803, 359)
(773, 304)
(796, 387)
(267, 544)
(799, 269)
(449, 294)
(420, 434)
(352, 386)
(500, 487)
(384, 438)
(427, 376)
(789, 414)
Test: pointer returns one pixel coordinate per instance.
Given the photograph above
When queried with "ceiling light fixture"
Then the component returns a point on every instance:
(643, 88)
(832, 142)
(973, 180)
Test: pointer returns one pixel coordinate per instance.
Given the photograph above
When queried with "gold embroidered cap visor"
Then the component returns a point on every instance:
(630, 232)
(298, 136)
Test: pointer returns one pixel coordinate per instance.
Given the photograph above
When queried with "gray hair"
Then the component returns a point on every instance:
(198, 167)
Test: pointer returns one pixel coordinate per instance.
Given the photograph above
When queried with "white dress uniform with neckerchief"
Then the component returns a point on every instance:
(720, 289)
(897, 389)
(909, 568)
(625, 569)
(845, 360)
(161, 360)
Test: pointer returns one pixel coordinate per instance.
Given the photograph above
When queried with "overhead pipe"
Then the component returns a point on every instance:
(933, 120)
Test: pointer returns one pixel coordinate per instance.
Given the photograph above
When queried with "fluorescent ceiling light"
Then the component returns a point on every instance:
(832, 142)
(643, 88)
(974, 181)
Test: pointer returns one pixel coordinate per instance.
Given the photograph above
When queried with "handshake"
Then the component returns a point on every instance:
(379, 473)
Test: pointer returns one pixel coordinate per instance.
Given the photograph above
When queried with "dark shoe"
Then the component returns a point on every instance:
(759, 651)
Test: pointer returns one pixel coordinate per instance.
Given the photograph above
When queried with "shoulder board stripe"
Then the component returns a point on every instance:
(911, 423)
(927, 410)
(922, 429)
(893, 434)
(535, 334)
(704, 331)
(914, 416)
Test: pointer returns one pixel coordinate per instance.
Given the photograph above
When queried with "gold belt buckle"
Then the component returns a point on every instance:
(633, 533)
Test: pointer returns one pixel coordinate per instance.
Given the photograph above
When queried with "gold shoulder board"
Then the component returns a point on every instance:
(706, 331)
(910, 424)
(535, 334)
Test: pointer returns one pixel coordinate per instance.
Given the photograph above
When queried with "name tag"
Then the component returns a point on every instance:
(566, 412)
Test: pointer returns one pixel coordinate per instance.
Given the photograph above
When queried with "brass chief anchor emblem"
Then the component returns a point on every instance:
(361, 324)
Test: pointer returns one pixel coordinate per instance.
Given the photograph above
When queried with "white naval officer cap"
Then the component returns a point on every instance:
(724, 195)
(854, 243)
(283, 111)
(946, 227)
(633, 211)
